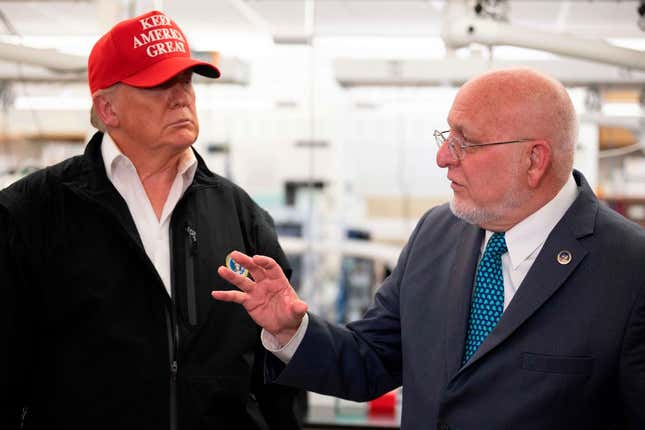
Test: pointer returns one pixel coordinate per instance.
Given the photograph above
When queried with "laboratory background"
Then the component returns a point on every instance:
(325, 113)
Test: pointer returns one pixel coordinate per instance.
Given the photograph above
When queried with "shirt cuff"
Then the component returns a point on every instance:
(285, 352)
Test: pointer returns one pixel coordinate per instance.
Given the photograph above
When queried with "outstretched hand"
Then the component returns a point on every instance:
(267, 297)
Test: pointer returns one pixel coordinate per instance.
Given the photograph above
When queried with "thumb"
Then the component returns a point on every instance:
(298, 309)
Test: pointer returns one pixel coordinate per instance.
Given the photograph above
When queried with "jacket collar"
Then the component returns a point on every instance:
(93, 179)
(90, 182)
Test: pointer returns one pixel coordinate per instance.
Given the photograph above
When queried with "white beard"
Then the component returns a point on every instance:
(487, 215)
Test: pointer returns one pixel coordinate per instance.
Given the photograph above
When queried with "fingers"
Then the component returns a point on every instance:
(257, 272)
(271, 268)
(229, 296)
(242, 258)
(241, 282)
(259, 266)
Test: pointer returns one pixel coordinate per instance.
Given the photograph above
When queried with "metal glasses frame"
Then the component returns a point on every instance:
(458, 154)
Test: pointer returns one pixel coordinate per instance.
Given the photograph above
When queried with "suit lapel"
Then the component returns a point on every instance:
(459, 294)
(547, 274)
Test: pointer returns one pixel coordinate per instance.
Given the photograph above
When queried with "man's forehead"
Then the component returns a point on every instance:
(466, 107)
(480, 121)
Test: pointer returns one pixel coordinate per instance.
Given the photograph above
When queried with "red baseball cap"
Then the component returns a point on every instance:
(143, 51)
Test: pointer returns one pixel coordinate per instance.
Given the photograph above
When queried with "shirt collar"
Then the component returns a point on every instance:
(111, 153)
(112, 156)
(529, 234)
(187, 166)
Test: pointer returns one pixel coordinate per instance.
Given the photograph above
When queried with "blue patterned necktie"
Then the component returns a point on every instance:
(488, 301)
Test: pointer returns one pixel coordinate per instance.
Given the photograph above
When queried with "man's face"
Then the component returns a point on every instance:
(159, 117)
(487, 182)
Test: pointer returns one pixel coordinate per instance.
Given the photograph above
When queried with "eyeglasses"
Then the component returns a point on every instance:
(458, 145)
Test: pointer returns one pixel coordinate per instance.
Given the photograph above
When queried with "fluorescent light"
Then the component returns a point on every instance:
(243, 44)
(80, 45)
(52, 103)
(637, 43)
(232, 104)
(621, 109)
(381, 47)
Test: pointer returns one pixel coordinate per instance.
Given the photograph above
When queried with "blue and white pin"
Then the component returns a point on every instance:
(236, 267)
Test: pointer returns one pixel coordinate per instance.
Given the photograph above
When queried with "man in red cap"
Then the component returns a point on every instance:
(108, 260)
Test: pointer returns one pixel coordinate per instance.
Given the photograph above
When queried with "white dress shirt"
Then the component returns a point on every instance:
(524, 242)
(526, 239)
(154, 232)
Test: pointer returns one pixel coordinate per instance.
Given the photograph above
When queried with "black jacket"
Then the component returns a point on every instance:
(90, 337)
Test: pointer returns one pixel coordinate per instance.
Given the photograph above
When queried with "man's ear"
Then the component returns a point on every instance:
(104, 108)
(539, 161)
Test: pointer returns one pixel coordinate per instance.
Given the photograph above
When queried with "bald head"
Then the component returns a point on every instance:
(496, 186)
(525, 103)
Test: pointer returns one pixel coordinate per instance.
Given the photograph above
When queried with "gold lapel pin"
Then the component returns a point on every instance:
(564, 257)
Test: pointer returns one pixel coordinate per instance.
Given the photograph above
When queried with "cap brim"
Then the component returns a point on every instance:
(163, 70)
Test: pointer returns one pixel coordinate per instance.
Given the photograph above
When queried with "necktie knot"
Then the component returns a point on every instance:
(496, 245)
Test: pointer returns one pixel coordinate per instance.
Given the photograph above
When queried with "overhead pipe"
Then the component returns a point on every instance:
(462, 27)
(51, 59)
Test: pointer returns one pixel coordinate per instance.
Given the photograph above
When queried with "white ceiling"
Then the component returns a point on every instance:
(287, 18)
(251, 29)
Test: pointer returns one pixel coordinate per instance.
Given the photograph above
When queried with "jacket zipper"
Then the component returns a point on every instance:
(173, 342)
(23, 416)
(173, 371)
(191, 254)
(172, 317)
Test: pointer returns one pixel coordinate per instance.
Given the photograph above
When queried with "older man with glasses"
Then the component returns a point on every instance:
(520, 305)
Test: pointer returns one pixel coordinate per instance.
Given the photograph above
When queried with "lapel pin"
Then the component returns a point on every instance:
(236, 267)
(564, 257)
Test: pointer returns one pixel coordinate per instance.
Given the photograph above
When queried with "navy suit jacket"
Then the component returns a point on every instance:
(568, 352)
